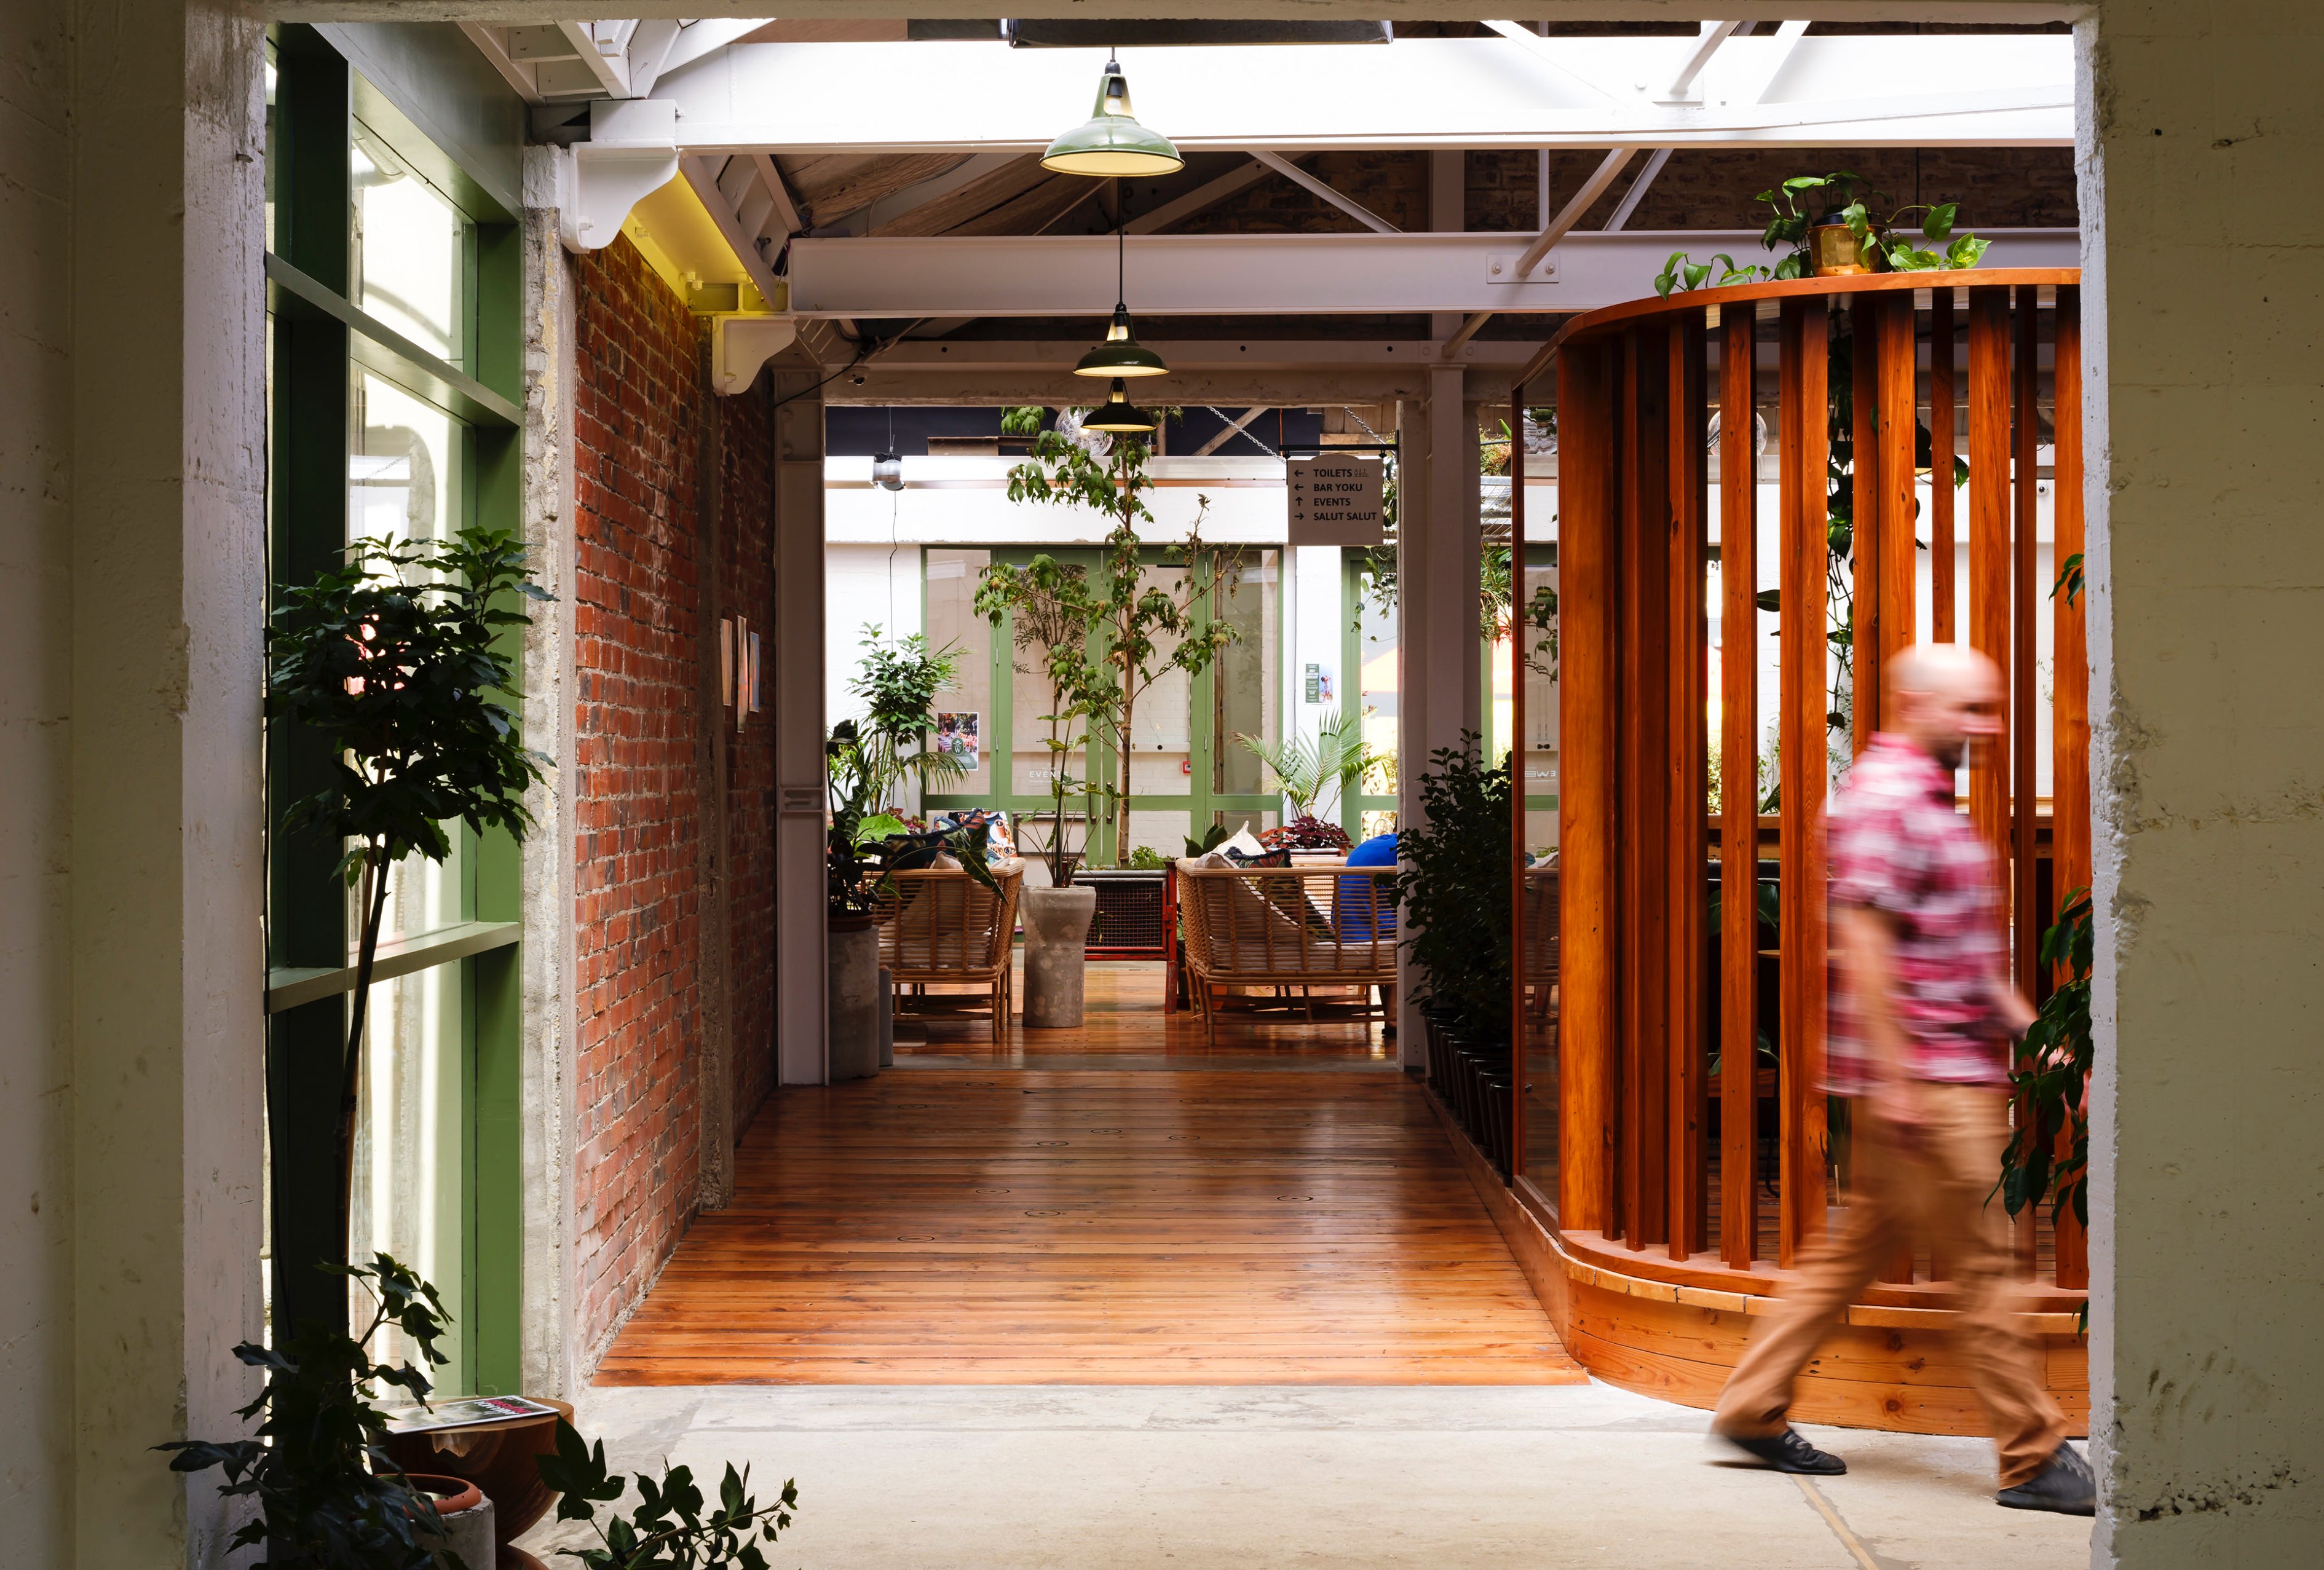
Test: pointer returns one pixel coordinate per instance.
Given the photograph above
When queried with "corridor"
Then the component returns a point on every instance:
(1117, 1205)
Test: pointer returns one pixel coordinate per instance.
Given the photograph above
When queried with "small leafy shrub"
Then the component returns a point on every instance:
(328, 1498)
(2051, 1075)
(1305, 834)
(1454, 885)
(668, 1528)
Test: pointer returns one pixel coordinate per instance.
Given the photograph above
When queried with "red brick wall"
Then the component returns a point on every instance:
(640, 408)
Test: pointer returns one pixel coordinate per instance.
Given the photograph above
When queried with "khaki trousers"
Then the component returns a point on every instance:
(1931, 1191)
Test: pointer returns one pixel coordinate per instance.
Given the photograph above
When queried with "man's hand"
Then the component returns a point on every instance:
(2015, 1014)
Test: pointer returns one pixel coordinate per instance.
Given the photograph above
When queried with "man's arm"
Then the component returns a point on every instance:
(1867, 949)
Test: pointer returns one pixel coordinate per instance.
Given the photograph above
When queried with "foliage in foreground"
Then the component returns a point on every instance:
(1454, 884)
(2052, 1077)
(672, 1527)
(328, 1496)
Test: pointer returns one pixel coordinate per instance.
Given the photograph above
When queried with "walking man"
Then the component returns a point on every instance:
(1922, 1015)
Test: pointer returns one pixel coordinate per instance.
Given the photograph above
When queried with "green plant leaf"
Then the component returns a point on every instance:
(1939, 224)
(1965, 251)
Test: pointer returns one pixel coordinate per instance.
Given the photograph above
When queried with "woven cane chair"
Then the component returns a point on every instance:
(1275, 929)
(941, 928)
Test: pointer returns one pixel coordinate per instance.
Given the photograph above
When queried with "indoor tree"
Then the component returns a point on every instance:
(395, 660)
(1130, 619)
(897, 682)
(1052, 613)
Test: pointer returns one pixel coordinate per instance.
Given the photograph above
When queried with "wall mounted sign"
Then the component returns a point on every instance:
(1336, 500)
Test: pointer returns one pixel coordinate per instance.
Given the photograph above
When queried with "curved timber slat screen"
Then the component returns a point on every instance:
(1779, 458)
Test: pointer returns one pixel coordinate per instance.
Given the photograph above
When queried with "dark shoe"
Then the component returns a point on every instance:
(1787, 1452)
(2064, 1487)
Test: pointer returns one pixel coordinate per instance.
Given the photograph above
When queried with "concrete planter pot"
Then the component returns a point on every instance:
(854, 997)
(468, 1517)
(1057, 936)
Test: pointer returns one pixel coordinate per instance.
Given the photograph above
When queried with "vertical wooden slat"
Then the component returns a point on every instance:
(2024, 598)
(1585, 804)
(1518, 936)
(2069, 722)
(1942, 449)
(1644, 849)
(1806, 554)
(1688, 552)
(1988, 540)
(1738, 822)
(1899, 425)
(1867, 516)
(2026, 924)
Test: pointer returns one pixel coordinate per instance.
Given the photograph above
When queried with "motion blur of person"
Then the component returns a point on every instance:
(1921, 1018)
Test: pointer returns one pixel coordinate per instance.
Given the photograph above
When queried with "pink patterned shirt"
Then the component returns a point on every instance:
(1897, 845)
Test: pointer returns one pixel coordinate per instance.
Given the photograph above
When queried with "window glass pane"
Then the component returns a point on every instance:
(1375, 689)
(1248, 684)
(953, 623)
(1160, 735)
(1540, 691)
(403, 480)
(408, 250)
(408, 1134)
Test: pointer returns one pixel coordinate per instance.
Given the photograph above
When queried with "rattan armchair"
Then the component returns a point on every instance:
(939, 927)
(1275, 929)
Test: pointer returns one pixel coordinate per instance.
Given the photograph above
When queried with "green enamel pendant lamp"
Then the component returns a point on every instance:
(1112, 142)
(1119, 417)
(1121, 354)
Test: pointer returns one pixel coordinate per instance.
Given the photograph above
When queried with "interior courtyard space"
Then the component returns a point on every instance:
(1379, 783)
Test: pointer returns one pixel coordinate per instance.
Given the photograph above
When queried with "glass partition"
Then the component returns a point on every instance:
(949, 616)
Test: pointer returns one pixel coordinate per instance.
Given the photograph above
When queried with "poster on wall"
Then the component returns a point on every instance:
(960, 735)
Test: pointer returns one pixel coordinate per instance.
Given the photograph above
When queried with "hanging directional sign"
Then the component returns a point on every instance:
(1336, 500)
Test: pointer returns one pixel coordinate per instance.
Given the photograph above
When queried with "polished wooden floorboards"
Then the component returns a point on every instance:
(1281, 1208)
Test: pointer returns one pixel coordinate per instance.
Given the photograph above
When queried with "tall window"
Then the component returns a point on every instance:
(1186, 767)
(393, 406)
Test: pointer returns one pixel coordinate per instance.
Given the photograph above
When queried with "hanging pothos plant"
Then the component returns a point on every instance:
(1883, 245)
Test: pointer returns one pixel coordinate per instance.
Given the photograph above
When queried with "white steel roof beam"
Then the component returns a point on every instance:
(1272, 274)
(1783, 91)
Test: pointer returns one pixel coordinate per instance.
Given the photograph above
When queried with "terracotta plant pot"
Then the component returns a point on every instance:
(502, 1459)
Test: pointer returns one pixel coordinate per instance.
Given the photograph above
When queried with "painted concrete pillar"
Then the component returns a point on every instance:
(2204, 388)
(1437, 691)
(796, 694)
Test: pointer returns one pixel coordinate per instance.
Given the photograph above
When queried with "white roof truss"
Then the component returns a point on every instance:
(1523, 91)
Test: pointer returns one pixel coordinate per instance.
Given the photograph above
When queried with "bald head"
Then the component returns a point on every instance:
(1944, 697)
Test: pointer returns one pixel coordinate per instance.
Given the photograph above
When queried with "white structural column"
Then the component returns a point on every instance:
(1436, 610)
(134, 530)
(548, 1091)
(794, 691)
(2207, 624)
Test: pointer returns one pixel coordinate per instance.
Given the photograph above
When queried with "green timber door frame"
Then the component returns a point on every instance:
(1202, 800)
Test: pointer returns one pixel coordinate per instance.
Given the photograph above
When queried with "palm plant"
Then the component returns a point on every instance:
(1303, 770)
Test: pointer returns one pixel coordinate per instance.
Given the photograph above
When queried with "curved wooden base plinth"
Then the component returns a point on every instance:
(1888, 1367)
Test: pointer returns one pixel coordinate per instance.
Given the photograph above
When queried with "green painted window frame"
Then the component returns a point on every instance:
(318, 338)
(1202, 803)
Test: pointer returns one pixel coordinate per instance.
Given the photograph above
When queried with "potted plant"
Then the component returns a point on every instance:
(1831, 233)
(326, 1493)
(1052, 612)
(329, 1497)
(395, 660)
(867, 760)
(1339, 758)
(1099, 637)
(1454, 889)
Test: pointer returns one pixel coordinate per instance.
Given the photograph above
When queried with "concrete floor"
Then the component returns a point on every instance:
(1116, 1478)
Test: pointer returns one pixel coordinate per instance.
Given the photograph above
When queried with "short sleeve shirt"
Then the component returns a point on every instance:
(1897, 845)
